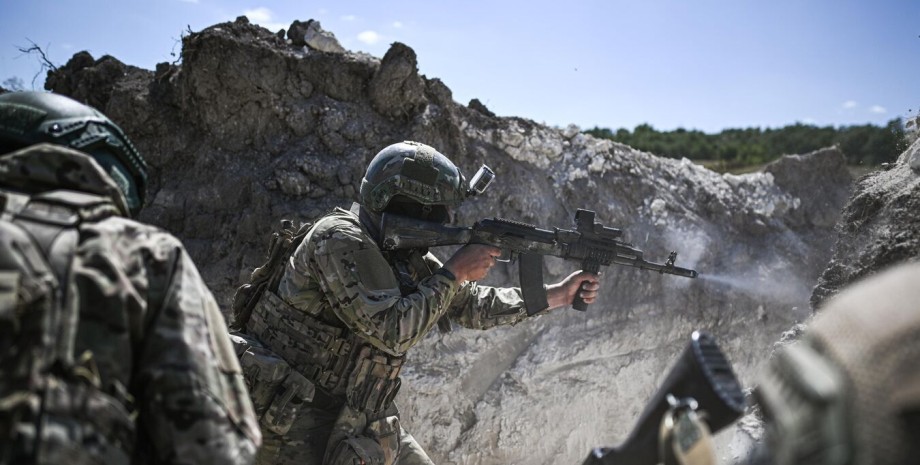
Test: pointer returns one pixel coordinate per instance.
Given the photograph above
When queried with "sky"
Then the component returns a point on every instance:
(692, 64)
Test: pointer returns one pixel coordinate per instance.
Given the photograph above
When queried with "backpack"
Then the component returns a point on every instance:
(277, 392)
(52, 409)
(266, 277)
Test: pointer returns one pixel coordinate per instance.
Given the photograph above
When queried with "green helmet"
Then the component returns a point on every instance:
(415, 172)
(28, 118)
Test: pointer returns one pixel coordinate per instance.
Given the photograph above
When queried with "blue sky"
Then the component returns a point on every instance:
(696, 64)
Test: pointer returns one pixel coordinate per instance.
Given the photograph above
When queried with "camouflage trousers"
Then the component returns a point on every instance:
(307, 440)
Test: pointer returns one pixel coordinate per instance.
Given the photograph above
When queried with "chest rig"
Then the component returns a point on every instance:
(315, 343)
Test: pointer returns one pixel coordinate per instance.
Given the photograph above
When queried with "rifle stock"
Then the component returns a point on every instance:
(400, 232)
(702, 373)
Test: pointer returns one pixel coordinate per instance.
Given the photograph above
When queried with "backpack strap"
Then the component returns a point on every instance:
(266, 277)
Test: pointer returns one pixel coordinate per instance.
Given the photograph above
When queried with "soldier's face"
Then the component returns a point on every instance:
(449, 215)
(442, 214)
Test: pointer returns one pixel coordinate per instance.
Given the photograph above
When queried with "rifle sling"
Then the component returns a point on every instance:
(530, 267)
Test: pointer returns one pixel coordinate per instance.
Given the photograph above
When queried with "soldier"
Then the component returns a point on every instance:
(112, 349)
(848, 393)
(344, 313)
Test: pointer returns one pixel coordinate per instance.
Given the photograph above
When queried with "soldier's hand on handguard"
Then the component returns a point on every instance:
(472, 262)
(563, 293)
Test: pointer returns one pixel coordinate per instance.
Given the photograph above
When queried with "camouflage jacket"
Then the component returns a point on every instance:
(340, 273)
(153, 330)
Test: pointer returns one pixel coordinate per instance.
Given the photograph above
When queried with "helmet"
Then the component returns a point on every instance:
(28, 118)
(412, 172)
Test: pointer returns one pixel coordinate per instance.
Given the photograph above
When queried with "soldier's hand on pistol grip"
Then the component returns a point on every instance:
(472, 262)
(563, 293)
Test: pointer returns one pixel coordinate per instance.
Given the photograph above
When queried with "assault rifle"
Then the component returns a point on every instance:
(700, 396)
(590, 243)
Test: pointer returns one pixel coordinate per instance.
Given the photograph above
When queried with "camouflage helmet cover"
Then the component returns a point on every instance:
(413, 170)
(28, 118)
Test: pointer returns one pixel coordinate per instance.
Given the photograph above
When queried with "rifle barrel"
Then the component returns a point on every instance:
(659, 267)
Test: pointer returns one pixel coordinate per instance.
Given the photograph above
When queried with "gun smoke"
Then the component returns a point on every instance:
(773, 280)
(773, 286)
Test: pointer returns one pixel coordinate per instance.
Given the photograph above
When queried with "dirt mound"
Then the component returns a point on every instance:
(879, 227)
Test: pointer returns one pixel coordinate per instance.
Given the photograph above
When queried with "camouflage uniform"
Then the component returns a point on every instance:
(344, 315)
(158, 381)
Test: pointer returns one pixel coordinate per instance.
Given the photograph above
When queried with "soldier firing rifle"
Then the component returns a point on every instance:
(590, 243)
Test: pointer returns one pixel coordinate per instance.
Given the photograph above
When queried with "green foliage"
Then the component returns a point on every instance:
(733, 148)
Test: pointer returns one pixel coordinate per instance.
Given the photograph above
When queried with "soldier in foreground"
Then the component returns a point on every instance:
(848, 393)
(343, 313)
(112, 349)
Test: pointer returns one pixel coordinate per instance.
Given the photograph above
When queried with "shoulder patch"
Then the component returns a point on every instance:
(374, 271)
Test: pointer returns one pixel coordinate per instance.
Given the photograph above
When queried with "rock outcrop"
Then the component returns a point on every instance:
(879, 227)
(251, 128)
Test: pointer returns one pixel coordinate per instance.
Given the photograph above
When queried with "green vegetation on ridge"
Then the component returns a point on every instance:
(731, 149)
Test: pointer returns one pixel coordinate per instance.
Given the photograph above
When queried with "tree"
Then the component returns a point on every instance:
(738, 147)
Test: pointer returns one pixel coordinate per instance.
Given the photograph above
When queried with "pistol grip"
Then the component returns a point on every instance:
(578, 303)
(590, 266)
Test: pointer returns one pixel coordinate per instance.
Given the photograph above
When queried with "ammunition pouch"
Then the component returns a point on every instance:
(277, 392)
(295, 390)
(374, 381)
(262, 370)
